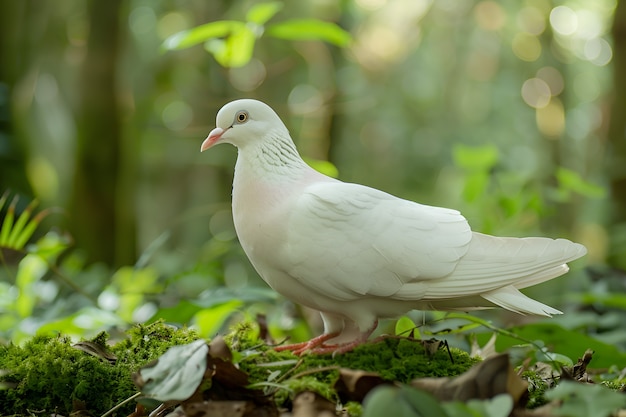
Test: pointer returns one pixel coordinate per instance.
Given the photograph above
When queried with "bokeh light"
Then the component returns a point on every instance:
(536, 93)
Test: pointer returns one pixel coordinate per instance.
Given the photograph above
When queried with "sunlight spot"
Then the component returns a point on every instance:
(564, 20)
(177, 115)
(371, 5)
(142, 19)
(109, 300)
(589, 24)
(531, 20)
(553, 78)
(171, 23)
(304, 99)
(551, 119)
(526, 47)
(43, 177)
(598, 51)
(536, 93)
(144, 312)
(489, 15)
(248, 77)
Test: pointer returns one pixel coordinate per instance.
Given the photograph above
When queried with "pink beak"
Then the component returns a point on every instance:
(213, 137)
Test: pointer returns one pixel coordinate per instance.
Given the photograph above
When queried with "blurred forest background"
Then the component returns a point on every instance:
(513, 112)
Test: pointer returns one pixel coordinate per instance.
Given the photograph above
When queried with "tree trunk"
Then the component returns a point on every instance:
(101, 220)
(617, 140)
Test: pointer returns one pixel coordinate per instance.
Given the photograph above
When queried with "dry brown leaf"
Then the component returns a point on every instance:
(486, 380)
(310, 404)
(578, 372)
(218, 408)
(354, 385)
(96, 350)
(219, 349)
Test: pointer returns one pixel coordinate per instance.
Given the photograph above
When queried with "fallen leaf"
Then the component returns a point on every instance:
(310, 404)
(176, 375)
(485, 380)
(354, 385)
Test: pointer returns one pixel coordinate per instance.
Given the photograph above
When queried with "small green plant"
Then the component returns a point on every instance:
(15, 232)
(231, 42)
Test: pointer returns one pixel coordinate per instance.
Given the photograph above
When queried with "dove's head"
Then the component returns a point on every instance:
(245, 121)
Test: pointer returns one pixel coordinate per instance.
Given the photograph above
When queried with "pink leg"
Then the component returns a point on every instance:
(345, 347)
(300, 348)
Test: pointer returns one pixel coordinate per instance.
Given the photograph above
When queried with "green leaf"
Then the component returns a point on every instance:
(565, 342)
(32, 268)
(7, 223)
(498, 406)
(176, 374)
(571, 181)
(405, 327)
(475, 185)
(310, 29)
(262, 12)
(19, 225)
(325, 167)
(401, 402)
(236, 50)
(202, 33)
(475, 158)
(209, 321)
(582, 400)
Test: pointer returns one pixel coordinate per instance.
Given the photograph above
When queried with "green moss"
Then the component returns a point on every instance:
(537, 388)
(394, 359)
(353, 409)
(47, 373)
(617, 385)
(399, 359)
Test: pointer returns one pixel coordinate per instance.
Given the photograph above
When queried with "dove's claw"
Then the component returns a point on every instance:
(311, 345)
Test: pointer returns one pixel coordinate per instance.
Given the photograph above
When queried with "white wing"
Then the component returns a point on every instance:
(348, 241)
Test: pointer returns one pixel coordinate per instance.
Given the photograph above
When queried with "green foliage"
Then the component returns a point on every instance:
(571, 182)
(14, 234)
(568, 343)
(583, 400)
(232, 42)
(498, 406)
(402, 402)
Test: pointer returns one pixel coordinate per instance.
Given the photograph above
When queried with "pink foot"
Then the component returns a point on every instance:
(315, 343)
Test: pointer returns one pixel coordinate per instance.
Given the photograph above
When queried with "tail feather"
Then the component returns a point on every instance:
(511, 299)
(492, 263)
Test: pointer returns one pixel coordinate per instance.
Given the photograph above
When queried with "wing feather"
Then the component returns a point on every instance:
(348, 241)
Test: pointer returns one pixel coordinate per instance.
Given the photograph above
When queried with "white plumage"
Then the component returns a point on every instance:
(357, 254)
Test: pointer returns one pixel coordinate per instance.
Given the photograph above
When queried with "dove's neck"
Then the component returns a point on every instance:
(276, 157)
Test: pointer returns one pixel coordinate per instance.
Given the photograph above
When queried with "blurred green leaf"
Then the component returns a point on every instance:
(325, 167)
(262, 12)
(209, 321)
(572, 181)
(401, 402)
(498, 406)
(475, 185)
(310, 29)
(31, 269)
(614, 300)
(202, 33)
(583, 400)
(475, 158)
(234, 51)
(565, 342)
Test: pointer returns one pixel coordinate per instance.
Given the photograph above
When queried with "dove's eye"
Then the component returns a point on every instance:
(241, 117)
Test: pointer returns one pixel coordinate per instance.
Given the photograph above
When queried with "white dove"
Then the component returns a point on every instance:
(357, 254)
